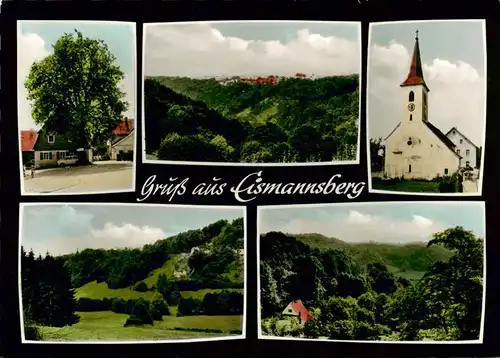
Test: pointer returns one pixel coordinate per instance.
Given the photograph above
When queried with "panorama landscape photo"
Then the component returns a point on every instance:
(373, 272)
(107, 273)
(252, 92)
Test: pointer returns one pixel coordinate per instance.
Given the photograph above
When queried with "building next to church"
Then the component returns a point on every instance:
(416, 149)
(470, 153)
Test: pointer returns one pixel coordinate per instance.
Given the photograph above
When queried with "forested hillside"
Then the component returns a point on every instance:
(409, 260)
(352, 292)
(296, 120)
(195, 273)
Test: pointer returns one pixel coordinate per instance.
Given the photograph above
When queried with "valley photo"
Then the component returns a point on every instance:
(118, 273)
(426, 106)
(252, 92)
(373, 272)
(76, 83)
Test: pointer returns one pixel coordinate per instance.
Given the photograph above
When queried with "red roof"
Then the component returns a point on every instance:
(28, 140)
(124, 128)
(415, 74)
(299, 308)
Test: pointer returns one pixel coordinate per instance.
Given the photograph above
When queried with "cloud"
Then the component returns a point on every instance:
(359, 227)
(198, 50)
(128, 86)
(456, 97)
(41, 223)
(111, 236)
(31, 48)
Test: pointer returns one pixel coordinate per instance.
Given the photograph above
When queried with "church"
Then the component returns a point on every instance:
(416, 149)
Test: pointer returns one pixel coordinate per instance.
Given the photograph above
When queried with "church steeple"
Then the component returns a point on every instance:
(415, 74)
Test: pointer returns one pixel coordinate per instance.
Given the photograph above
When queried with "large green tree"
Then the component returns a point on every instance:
(75, 90)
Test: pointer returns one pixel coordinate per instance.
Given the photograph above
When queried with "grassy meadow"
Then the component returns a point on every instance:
(108, 326)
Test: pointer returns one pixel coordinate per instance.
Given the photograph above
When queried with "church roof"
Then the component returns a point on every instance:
(447, 141)
(416, 73)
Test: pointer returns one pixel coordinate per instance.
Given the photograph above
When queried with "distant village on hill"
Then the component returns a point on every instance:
(271, 79)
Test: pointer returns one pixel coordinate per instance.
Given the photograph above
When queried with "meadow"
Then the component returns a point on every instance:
(108, 326)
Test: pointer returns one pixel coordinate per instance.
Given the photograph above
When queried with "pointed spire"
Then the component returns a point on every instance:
(415, 74)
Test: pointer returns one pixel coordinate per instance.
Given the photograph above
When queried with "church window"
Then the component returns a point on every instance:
(411, 96)
(411, 117)
(461, 141)
(467, 152)
(458, 151)
(445, 171)
(409, 168)
(432, 145)
(409, 141)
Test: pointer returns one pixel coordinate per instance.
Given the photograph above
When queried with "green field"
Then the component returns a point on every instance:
(108, 326)
(408, 186)
(98, 291)
(176, 262)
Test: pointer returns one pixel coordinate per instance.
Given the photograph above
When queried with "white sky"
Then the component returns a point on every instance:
(252, 48)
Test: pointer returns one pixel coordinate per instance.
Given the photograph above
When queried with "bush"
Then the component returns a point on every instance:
(32, 333)
(85, 304)
(141, 287)
(140, 314)
(119, 305)
(161, 306)
(134, 321)
(155, 314)
(451, 184)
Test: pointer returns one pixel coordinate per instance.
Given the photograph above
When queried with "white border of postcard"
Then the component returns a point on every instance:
(187, 340)
(278, 207)
(134, 165)
(368, 159)
(159, 162)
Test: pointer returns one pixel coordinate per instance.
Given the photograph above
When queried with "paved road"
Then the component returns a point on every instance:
(469, 186)
(101, 176)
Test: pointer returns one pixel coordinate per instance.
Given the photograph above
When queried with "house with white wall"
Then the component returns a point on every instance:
(469, 152)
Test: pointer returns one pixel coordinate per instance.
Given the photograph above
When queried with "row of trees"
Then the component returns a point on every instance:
(355, 300)
(294, 121)
(213, 304)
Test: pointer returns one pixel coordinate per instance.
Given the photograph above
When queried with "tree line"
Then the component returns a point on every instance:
(297, 120)
(355, 300)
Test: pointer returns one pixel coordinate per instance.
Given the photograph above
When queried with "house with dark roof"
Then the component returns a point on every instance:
(416, 148)
(470, 152)
(297, 309)
(45, 149)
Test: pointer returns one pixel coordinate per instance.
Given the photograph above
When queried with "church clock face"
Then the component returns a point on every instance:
(411, 107)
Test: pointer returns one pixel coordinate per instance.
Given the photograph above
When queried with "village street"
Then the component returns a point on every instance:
(469, 186)
(101, 176)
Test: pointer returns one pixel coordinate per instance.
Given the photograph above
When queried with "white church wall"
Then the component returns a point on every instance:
(424, 158)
